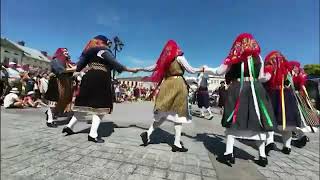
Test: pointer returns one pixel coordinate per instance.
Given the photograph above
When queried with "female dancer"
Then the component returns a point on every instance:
(248, 112)
(171, 102)
(283, 100)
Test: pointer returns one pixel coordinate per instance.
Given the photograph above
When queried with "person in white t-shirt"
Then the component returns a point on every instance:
(12, 100)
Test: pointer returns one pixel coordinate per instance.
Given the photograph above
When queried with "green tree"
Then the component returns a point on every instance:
(312, 69)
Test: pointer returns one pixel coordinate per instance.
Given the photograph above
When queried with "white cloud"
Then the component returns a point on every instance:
(109, 19)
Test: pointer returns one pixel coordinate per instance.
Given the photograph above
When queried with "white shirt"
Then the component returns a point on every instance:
(43, 85)
(117, 90)
(9, 99)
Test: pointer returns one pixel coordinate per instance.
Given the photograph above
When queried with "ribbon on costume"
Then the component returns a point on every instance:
(255, 101)
(233, 114)
(261, 103)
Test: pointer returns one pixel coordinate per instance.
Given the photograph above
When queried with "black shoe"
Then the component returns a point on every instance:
(210, 117)
(67, 130)
(269, 147)
(286, 150)
(263, 161)
(144, 138)
(52, 125)
(229, 158)
(176, 148)
(302, 141)
(96, 140)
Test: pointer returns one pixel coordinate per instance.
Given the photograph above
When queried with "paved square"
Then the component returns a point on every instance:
(30, 150)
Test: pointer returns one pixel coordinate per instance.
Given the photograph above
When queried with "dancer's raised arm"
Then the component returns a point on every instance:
(264, 74)
(111, 61)
(148, 69)
(218, 71)
(184, 63)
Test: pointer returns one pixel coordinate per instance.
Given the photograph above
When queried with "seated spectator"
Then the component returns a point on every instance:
(12, 99)
(31, 101)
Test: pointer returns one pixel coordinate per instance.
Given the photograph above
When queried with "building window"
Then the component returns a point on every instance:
(6, 61)
(16, 54)
(15, 60)
(6, 51)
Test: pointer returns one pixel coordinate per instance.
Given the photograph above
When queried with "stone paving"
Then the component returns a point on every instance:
(30, 150)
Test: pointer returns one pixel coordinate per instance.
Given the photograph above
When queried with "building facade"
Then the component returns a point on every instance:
(22, 55)
(214, 82)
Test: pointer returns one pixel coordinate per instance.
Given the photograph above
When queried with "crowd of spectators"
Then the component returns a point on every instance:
(26, 88)
(127, 93)
(21, 87)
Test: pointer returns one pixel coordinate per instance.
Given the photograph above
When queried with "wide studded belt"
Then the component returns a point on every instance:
(97, 66)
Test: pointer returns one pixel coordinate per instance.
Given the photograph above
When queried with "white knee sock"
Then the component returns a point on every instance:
(261, 145)
(50, 116)
(270, 138)
(72, 122)
(156, 123)
(209, 111)
(287, 137)
(229, 145)
(94, 126)
(178, 128)
(202, 111)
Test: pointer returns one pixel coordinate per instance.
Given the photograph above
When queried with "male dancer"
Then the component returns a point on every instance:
(95, 96)
(203, 95)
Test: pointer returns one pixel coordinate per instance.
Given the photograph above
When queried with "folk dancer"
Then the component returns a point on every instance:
(95, 96)
(171, 103)
(203, 95)
(59, 93)
(248, 112)
(285, 105)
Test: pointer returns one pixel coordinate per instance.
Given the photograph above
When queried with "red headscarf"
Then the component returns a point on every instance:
(170, 51)
(299, 76)
(245, 45)
(277, 65)
(62, 55)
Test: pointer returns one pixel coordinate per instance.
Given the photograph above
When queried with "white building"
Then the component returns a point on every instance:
(20, 54)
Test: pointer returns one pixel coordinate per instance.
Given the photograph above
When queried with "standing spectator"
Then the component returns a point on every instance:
(30, 83)
(12, 99)
(136, 93)
(222, 95)
(117, 91)
(43, 85)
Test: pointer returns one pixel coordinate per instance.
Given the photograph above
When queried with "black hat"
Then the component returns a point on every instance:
(103, 38)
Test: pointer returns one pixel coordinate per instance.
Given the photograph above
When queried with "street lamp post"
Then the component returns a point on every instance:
(118, 45)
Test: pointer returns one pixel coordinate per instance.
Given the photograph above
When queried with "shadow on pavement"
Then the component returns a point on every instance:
(216, 146)
(105, 129)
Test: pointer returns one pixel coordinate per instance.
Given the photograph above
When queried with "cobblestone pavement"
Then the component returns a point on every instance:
(30, 150)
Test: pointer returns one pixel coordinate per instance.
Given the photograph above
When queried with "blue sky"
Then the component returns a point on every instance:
(205, 31)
